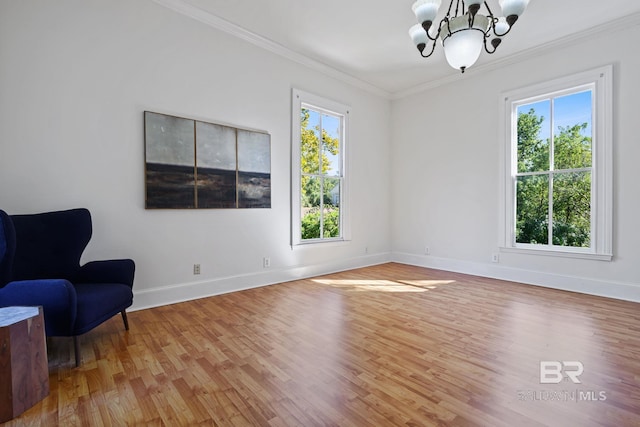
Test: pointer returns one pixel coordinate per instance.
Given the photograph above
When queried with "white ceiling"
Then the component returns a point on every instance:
(368, 39)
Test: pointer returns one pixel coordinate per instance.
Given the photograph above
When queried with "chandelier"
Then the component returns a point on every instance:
(464, 30)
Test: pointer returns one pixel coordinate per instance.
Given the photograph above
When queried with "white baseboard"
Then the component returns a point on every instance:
(610, 289)
(193, 290)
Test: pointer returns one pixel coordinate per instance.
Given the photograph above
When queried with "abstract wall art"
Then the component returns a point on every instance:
(191, 164)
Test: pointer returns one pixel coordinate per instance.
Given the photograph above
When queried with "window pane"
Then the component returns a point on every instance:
(309, 141)
(572, 209)
(330, 145)
(532, 209)
(533, 136)
(572, 137)
(331, 220)
(310, 191)
(310, 208)
(332, 191)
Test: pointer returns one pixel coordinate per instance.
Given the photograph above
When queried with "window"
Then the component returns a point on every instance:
(319, 188)
(558, 167)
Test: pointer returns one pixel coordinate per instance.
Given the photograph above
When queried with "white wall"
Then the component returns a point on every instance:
(76, 75)
(445, 172)
(75, 78)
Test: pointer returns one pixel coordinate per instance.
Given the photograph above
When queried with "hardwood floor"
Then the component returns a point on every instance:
(389, 345)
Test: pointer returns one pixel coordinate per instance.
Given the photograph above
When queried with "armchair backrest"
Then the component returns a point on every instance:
(49, 245)
(7, 248)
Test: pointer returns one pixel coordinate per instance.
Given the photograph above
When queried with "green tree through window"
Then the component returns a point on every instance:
(554, 168)
(320, 164)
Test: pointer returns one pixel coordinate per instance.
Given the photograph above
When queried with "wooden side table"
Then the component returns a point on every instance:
(24, 367)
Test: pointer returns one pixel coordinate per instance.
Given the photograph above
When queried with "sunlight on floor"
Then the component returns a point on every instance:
(384, 285)
(428, 284)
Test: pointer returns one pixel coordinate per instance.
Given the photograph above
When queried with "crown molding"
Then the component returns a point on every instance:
(609, 27)
(221, 24)
(208, 18)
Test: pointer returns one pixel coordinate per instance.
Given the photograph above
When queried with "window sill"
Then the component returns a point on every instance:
(558, 253)
(318, 243)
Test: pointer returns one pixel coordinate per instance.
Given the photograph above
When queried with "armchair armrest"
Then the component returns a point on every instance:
(56, 296)
(109, 271)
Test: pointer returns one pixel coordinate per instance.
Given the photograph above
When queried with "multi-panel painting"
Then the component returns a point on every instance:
(195, 164)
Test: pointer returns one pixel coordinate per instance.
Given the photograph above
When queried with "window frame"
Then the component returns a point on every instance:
(302, 99)
(600, 82)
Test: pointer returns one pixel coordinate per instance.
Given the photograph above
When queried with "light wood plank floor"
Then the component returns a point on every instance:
(389, 345)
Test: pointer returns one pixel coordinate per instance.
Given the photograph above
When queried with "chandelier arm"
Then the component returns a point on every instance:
(494, 43)
(493, 28)
(490, 52)
(433, 48)
(501, 35)
(433, 39)
(488, 9)
(449, 11)
(494, 20)
(448, 24)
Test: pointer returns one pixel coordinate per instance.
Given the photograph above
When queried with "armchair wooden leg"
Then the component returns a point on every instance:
(125, 320)
(76, 346)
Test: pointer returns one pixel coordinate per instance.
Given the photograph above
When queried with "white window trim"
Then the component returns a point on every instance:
(602, 190)
(300, 98)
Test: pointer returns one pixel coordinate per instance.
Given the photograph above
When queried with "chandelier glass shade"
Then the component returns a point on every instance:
(464, 30)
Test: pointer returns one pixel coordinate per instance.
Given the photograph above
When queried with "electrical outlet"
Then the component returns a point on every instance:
(266, 262)
(427, 250)
(495, 258)
(366, 249)
(196, 268)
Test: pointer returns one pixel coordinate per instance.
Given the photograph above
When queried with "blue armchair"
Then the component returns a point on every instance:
(40, 265)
